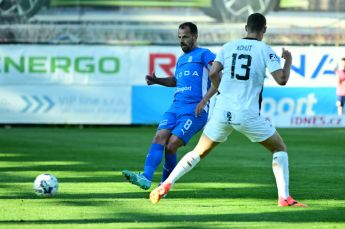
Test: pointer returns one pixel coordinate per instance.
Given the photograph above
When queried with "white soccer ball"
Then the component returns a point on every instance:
(46, 185)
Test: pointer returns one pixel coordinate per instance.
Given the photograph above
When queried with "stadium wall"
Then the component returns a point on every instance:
(70, 84)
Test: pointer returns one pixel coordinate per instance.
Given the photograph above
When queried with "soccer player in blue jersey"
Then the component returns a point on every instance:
(179, 122)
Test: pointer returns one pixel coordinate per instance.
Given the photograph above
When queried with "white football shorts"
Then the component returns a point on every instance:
(222, 123)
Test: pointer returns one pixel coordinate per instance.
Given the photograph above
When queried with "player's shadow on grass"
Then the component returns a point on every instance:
(83, 196)
(6, 179)
(185, 189)
(72, 168)
(198, 193)
(331, 215)
(264, 193)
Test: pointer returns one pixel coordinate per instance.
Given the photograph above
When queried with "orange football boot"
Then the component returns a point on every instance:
(289, 202)
(159, 193)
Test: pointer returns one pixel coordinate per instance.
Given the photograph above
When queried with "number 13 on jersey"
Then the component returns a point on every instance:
(245, 61)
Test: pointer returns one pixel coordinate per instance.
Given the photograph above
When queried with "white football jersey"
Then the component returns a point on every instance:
(244, 66)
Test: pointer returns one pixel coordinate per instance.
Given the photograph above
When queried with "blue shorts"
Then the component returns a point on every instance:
(340, 100)
(184, 126)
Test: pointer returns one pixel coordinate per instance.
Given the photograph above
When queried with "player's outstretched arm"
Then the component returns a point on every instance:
(153, 79)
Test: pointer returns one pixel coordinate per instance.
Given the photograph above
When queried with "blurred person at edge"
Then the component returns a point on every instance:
(340, 91)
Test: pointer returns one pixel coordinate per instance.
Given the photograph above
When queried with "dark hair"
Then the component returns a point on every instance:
(343, 59)
(193, 28)
(256, 22)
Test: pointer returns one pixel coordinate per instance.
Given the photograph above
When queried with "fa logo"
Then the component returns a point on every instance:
(190, 59)
(273, 57)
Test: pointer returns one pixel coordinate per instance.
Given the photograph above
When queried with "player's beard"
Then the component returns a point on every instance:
(185, 47)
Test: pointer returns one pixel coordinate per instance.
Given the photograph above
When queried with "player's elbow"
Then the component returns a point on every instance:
(282, 82)
(212, 75)
(281, 77)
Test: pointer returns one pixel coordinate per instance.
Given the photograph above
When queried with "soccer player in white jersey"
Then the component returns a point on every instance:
(243, 63)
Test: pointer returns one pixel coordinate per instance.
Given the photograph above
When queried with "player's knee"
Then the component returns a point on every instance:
(283, 148)
(276, 143)
(280, 147)
(160, 139)
(275, 146)
(171, 147)
(173, 144)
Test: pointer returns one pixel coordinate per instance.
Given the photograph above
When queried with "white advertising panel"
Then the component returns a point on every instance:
(312, 66)
(102, 84)
(125, 65)
(307, 121)
(158, 59)
(63, 65)
(65, 105)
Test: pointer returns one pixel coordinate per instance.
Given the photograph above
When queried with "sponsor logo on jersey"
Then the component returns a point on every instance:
(274, 57)
(190, 59)
(187, 73)
(182, 89)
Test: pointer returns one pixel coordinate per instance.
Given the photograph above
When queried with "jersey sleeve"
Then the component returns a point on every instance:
(272, 60)
(208, 58)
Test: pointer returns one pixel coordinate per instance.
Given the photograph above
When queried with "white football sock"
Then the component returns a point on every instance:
(280, 165)
(183, 166)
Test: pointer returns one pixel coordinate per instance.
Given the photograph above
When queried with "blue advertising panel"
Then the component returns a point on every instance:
(284, 106)
(150, 102)
(298, 101)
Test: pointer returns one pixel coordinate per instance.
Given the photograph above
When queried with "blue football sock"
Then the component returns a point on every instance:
(169, 164)
(153, 159)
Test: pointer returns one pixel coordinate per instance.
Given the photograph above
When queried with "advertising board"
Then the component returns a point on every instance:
(106, 85)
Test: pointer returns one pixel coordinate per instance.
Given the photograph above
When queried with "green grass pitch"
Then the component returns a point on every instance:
(233, 187)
